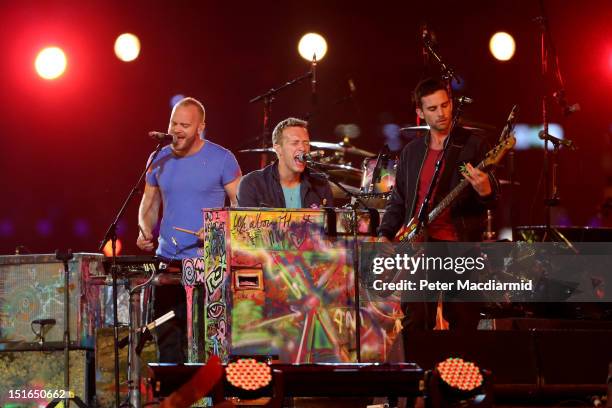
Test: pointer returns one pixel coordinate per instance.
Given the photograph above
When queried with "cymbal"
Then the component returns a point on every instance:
(259, 150)
(337, 193)
(476, 127)
(341, 170)
(425, 128)
(342, 147)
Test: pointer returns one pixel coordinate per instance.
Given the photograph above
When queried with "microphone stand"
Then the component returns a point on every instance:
(111, 234)
(423, 214)
(550, 75)
(448, 73)
(66, 256)
(267, 99)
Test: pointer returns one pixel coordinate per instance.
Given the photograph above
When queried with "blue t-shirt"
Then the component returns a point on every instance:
(292, 197)
(188, 184)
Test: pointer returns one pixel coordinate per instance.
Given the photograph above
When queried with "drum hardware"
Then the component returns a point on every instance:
(267, 98)
(262, 150)
(375, 191)
(344, 147)
(338, 193)
(489, 234)
(481, 128)
(341, 170)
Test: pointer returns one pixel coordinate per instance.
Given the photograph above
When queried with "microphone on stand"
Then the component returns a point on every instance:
(309, 157)
(565, 106)
(556, 141)
(161, 137)
(465, 100)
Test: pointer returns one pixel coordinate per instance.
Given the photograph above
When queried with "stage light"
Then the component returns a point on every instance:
(312, 44)
(248, 374)
(127, 47)
(44, 227)
(80, 228)
(459, 374)
(50, 63)
(455, 382)
(175, 99)
(7, 228)
(502, 46)
(108, 250)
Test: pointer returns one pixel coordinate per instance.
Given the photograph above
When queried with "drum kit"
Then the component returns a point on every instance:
(376, 175)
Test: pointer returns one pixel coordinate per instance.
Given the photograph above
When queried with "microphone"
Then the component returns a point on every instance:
(465, 100)
(161, 137)
(425, 38)
(568, 110)
(309, 157)
(44, 322)
(556, 141)
(565, 106)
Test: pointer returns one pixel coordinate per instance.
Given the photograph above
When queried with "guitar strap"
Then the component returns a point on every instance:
(457, 143)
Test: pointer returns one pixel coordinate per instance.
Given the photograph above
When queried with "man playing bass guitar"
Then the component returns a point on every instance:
(460, 221)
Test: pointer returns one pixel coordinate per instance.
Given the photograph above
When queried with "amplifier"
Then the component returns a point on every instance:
(32, 287)
(18, 378)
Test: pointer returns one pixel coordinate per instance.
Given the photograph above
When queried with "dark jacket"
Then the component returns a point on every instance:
(262, 188)
(468, 209)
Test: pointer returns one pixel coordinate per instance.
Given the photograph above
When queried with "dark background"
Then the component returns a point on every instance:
(72, 148)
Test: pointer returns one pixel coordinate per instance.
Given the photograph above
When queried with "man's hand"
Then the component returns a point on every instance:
(145, 241)
(479, 180)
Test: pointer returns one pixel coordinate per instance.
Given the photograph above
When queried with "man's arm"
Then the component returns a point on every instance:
(231, 190)
(247, 191)
(148, 214)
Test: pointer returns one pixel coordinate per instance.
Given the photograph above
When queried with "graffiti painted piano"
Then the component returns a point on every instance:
(281, 283)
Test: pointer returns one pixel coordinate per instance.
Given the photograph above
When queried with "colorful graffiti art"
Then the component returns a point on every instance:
(290, 289)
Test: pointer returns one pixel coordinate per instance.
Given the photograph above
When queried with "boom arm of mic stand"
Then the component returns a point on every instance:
(268, 98)
(287, 84)
(447, 71)
(111, 234)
